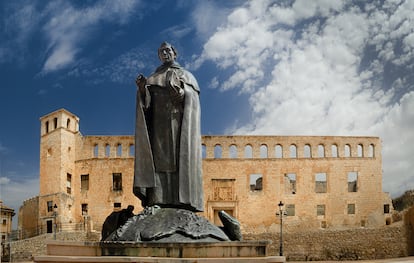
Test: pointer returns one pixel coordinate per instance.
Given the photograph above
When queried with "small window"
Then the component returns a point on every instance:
(55, 122)
(47, 126)
(334, 150)
(278, 151)
(119, 150)
(233, 151)
(386, 209)
(203, 151)
(263, 151)
(248, 151)
(292, 151)
(117, 205)
(4, 222)
(307, 151)
(256, 182)
(95, 150)
(69, 183)
(290, 210)
(347, 150)
(320, 183)
(117, 182)
(351, 209)
(84, 182)
(218, 151)
(84, 209)
(320, 210)
(50, 206)
(107, 150)
(321, 151)
(131, 150)
(352, 181)
(360, 150)
(371, 151)
(68, 123)
(290, 183)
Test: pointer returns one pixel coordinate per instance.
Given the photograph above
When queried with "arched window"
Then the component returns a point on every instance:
(107, 150)
(292, 151)
(248, 151)
(263, 151)
(347, 150)
(54, 123)
(278, 151)
(334, 150)
(360, 150)
(321, 151)
(233, 151)
(307, 151)
(371, 150)
(203, 151)
(131, 150)
(217, 151)
(68, 123)
(95, 150)
(119, 150)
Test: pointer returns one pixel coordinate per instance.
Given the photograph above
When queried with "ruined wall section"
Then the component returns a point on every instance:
(237, 158)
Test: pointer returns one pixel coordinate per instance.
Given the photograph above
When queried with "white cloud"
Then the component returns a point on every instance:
(315, 76)
(68, 27)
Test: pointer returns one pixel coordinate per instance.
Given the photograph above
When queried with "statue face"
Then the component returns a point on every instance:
(166, 54)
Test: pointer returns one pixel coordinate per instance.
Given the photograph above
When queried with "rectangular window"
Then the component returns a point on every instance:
(352, 181)
(320, 210)
(50, 206)
(84, 209)
(117, 182)
(320, 183)
(290, 183)
(117, 205)
(290, 210)
(84, 182)
(69, 183)
(386, 209)
(256, 182)
(351, 209)
(4, 221)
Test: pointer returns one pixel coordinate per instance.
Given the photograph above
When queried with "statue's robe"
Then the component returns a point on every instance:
(168, 142)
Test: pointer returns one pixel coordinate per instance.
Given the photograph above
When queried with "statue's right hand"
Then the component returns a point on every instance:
(140, 81)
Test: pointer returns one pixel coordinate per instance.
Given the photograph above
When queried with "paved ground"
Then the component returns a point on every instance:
(392, 260)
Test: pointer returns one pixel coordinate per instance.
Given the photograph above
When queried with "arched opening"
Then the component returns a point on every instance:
(292, 151)
(218, 151)
(334, 150)
(68, 123)
(203, 151)
(321, 151)
(248, 151)
(347, 150)
(233, 151)
(107, 150)
(371, 151)
(55, 120)
(95, 150)
(263, 151)
(131, 150)
(360, 150)
(307, 151)
(119, 150)
(278, 151)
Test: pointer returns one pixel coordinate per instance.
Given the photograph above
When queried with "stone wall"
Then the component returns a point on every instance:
(26, 249)
(348, 244)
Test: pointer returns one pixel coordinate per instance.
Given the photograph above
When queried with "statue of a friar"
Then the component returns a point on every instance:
(167, 137)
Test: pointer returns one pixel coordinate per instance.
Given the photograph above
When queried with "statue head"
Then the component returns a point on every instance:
(167, 53)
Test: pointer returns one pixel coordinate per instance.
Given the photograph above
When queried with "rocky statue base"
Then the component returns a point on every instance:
(172, 225)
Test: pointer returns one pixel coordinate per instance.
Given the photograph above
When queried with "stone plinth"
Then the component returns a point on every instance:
(244, 251)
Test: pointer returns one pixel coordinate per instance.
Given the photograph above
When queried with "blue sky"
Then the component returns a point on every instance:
(264, 67)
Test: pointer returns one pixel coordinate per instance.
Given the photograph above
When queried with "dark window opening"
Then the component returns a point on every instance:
(117, 182)
(256, 182)
(84, 182)
(68, 183)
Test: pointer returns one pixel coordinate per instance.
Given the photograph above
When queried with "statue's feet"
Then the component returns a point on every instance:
(230, 226)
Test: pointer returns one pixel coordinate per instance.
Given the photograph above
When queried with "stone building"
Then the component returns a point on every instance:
(323, 181)
(7, 214)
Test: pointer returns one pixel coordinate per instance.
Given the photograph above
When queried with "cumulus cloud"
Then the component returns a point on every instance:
(324, 68)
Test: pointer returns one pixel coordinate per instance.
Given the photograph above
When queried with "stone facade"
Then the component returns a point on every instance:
(6, 215)
(325, 182)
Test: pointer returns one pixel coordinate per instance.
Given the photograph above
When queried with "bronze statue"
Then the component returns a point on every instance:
(167, 137)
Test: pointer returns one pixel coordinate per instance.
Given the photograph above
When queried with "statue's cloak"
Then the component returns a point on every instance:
(189, 163)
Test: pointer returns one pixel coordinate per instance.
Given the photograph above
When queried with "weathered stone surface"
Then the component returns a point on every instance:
(168, 225)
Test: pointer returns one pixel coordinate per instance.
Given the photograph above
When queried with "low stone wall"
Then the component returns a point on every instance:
(351, 244)
(26, 249)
